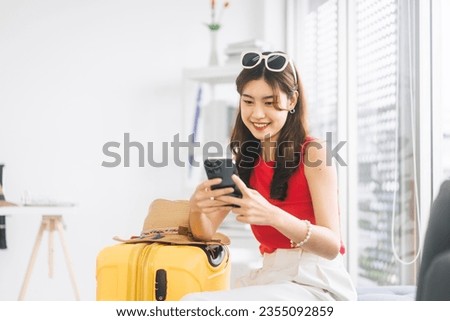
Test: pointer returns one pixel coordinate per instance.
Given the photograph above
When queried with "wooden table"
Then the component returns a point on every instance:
(52, 221)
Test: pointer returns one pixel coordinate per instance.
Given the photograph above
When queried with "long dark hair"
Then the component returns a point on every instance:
(246, 147)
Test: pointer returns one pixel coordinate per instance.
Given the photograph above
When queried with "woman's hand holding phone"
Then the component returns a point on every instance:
(252, 208)
(205, 199)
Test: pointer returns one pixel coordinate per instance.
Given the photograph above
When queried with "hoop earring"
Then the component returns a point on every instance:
(292, 111)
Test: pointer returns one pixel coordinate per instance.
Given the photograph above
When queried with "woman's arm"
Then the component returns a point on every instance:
(325, 237)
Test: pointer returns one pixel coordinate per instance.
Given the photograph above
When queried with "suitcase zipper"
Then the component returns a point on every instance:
(144, 270)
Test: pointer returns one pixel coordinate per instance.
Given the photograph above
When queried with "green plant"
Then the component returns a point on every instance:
(216, 16)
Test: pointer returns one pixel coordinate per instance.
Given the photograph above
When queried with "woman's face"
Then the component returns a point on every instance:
(259, 113)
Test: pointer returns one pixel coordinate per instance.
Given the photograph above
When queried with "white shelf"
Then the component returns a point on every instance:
(214, 74)
(212, 125)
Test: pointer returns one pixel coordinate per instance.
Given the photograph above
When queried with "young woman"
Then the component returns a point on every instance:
(290, 194)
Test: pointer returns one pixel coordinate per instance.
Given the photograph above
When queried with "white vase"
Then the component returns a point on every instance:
(213, 55)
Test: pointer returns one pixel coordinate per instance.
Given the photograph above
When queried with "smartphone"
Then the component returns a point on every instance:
(222, 168)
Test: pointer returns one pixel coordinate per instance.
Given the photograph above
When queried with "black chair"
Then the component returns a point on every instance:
(434, 276)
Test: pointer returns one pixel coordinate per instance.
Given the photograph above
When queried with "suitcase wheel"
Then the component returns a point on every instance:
(214, 253)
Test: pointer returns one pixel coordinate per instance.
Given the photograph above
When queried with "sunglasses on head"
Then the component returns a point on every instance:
(274, 61)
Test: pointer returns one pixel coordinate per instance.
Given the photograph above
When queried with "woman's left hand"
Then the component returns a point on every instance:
(253, 207)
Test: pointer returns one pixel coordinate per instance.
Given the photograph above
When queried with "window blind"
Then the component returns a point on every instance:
(385, 179)
(321, 68)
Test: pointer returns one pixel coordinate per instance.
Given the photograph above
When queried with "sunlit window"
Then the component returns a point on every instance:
(385, 154)
(382, 77)
(320, 68)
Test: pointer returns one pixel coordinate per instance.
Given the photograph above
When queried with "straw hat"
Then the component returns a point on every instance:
(167, 221)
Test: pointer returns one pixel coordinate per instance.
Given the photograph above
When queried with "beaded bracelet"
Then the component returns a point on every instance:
(307, 237)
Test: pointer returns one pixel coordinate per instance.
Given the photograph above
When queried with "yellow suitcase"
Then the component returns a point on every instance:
(149, 272)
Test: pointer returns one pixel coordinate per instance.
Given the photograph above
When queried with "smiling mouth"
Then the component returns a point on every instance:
(261, 125)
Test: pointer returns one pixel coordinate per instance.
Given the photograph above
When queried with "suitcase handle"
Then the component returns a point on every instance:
(161, 285)
(215, 253)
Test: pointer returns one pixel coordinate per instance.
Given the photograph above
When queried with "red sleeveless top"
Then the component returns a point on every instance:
(297, 202)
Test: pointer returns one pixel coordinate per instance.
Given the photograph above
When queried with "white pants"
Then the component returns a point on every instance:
(289, 274)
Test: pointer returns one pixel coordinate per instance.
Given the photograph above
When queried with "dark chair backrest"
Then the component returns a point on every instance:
(434, 275)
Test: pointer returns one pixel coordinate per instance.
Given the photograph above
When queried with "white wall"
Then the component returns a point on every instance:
(73, 76)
